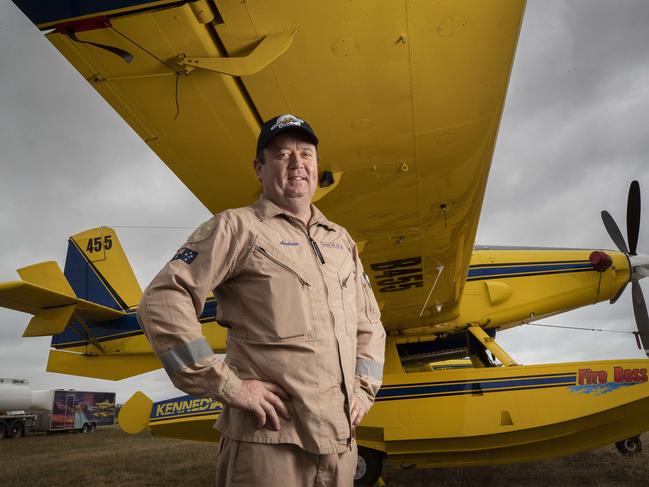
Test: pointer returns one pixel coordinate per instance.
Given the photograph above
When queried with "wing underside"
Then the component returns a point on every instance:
(406, 97)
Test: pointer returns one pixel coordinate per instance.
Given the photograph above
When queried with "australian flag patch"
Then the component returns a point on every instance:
(186, 255)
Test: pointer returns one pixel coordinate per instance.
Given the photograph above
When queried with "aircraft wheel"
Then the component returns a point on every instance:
(368, 467)
(93, 427)
(84, 429)
(630, 446)
(16, 429)
(3, 430)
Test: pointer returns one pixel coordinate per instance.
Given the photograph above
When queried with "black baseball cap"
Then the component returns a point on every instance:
(281, 123)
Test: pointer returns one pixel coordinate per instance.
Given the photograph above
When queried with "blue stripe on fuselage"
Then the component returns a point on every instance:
(74, 335)
(481, 272)
(127, 325)
(474, 387)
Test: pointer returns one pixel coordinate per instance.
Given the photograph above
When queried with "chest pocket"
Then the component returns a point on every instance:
(278, 305)
(347, 279)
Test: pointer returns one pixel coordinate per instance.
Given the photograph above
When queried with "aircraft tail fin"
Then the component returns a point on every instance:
(168, 418)
(97, 269)
(89, 309)
(134, 415)
(98, 286)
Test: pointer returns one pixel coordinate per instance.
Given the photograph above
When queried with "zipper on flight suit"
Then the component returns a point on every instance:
(313, 243)
(370, 310)
(284, 266)
(316, 249)
(344, 281)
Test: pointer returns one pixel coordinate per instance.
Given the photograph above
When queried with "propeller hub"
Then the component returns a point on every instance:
(639, 266)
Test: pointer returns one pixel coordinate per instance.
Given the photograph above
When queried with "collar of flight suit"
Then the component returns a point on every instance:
(264, 209)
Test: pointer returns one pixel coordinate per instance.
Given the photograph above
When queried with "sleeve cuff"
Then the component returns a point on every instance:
(231, 387)
(364, 397)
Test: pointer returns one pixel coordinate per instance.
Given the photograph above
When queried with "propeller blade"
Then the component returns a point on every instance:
(641, 316)
(614, 232)
(633, 216)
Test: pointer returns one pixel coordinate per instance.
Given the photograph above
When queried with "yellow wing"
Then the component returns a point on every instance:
(406, 98)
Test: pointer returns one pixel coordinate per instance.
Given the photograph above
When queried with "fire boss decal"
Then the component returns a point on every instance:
(597, 382)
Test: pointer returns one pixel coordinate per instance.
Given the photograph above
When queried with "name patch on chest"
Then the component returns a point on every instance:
(289, 243)
(332, 245)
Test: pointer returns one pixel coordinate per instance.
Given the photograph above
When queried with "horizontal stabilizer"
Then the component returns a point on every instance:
(49, 321)
(30, 298)
(109, 367)
(134, 415)
(47, 274)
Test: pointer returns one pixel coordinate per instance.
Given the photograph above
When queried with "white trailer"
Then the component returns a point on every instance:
(23, 410)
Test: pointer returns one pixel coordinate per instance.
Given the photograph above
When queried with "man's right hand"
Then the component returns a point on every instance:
(264, 399)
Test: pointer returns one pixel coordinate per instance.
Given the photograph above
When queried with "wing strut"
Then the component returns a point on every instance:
(490, 344)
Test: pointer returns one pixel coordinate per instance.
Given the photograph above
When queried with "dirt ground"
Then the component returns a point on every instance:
(112, 458)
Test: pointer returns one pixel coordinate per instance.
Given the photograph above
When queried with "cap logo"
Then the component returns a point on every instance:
(285, 120)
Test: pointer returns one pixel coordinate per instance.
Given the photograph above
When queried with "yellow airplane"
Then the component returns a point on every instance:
(410, 94)
(105, 405)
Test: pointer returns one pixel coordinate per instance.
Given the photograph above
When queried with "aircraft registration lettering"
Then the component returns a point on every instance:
(96, 244)
(398, 275)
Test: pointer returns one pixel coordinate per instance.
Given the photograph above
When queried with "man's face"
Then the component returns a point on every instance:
(289, 170)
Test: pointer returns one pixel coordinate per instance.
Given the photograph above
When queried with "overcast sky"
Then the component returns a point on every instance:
(573, 136)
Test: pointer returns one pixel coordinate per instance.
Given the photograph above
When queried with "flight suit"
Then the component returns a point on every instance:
(300, 313)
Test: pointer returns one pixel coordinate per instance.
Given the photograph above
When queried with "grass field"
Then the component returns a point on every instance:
(112, 458)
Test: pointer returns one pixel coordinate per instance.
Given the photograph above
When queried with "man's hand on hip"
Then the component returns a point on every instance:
(357, 411)
(264, 399)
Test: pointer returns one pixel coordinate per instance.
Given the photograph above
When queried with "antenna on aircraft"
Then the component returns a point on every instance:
(639, 263)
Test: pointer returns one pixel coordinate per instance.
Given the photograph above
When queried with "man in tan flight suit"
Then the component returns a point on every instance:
(305, 342)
